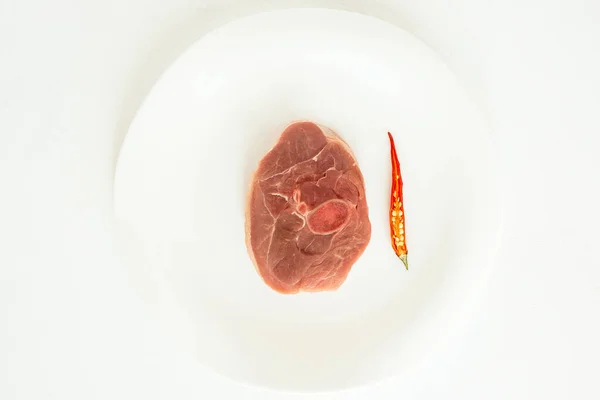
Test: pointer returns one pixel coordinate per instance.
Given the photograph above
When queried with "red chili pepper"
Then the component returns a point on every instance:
(397, 226)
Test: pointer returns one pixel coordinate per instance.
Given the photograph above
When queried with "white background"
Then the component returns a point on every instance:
(72, 74)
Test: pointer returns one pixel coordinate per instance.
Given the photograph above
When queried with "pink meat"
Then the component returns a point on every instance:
(307, 219)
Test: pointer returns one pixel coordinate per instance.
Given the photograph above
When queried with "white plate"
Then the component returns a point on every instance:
(184, 170)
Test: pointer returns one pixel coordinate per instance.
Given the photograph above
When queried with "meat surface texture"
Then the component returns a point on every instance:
(307, 219)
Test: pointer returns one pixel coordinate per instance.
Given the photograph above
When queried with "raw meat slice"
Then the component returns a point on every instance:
(307, 219)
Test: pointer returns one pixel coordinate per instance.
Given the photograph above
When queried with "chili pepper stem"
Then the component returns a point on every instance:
(404, 259)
